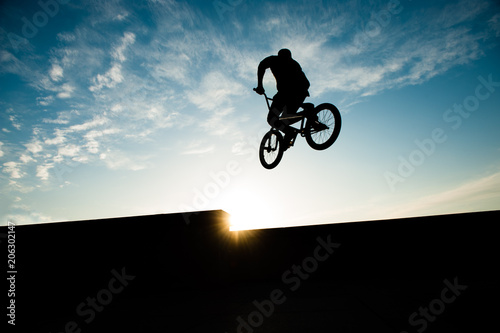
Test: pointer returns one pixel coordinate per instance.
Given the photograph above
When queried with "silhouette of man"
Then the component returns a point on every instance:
(292, 85)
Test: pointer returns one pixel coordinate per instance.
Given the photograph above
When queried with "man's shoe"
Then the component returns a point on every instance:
(317, 126)
(289, 139)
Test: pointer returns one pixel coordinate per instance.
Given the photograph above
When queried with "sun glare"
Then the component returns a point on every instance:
(248, 212)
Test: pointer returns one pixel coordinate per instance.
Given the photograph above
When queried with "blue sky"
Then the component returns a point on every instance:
(120, 108)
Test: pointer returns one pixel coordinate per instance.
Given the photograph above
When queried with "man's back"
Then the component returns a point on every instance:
(288, 73)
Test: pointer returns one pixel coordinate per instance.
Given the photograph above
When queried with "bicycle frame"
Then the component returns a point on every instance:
(299, 116)
(320, 118)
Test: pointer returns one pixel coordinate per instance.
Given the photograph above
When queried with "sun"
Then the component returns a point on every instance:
(248, 219)
(248, 211)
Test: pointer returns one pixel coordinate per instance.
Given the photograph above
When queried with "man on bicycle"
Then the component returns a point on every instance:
(292, 86)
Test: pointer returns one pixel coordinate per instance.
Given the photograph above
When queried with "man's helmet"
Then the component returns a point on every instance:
(285, 53)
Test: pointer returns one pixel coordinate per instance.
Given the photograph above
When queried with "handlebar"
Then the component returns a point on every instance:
(267, 98)
(264, 93)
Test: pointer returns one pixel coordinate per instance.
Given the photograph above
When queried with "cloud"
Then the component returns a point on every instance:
(127, 40)
(63, 118)
(29, 218)
(109, 80)
(1, 151)
(92, 135)
(114, 75)
(70, 150)
(339, 53)
(198, 148)
(59, 138)
(104, 12)
(22, 214)
(476, 195)
(170, 66)
(161, 117)
(220, 123)
(14, 121)
(12, 169)
(42, 171)
(121, 17)
(215, 95)
(66, 91)
(215, 90)
(26, 158)
(9, 63)
(66, 37)
(92, 144)
(494, 24)
(34, 146)
(460, 12)
(95, 122)
(480, 194)
(116, 160)
(199, 151)
(45, 101)
(56, 72)
(173, 67)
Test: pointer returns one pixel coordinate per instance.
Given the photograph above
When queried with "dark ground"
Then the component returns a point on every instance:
(162, 274)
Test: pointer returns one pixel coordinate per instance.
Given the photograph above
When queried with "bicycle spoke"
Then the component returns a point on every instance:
(324, 135)
(274, 152)
(271, 149)
(324, 117)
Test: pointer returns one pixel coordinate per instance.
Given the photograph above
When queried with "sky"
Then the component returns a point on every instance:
(127, 108)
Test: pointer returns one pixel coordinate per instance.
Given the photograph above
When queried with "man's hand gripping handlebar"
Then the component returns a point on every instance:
(259, 90)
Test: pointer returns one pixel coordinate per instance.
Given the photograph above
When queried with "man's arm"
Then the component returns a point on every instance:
(261, 70)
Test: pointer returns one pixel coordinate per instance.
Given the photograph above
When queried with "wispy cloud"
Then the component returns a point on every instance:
(95, 122)
(56, 72)
(215, 91)
(479, 194)
(473, 195)
(494, 24)
(14, 120)
(114, 75)
(109, 80)
(117, 160)
(45, 101)
(127, 40)
(198, 148)
(21, 213)
(393, 55)
(186, 69)
(215, 95)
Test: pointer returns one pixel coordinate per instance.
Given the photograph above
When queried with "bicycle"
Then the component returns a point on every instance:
(319, 125)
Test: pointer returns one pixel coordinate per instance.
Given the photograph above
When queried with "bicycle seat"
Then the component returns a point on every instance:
(308, 106)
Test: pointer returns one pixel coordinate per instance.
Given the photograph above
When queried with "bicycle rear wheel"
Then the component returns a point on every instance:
(271, 149)
(322, 136)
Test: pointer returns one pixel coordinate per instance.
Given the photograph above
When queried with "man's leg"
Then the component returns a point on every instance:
(273, 120)
(293, 101)
(274, 114)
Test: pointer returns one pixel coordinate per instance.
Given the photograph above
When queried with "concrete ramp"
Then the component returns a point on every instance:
(189, 273)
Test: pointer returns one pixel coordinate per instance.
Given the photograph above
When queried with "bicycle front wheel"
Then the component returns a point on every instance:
(271, 149)
(323, 135)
